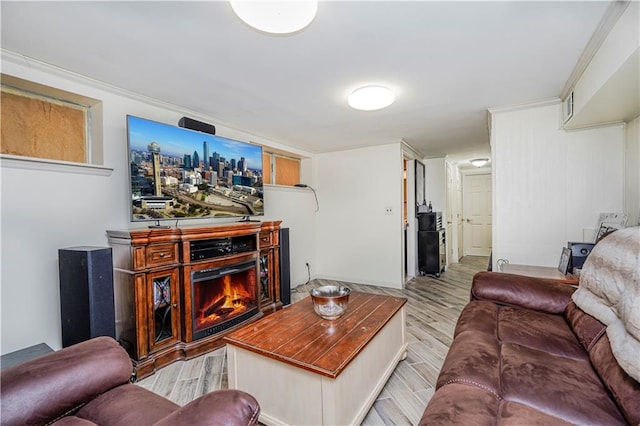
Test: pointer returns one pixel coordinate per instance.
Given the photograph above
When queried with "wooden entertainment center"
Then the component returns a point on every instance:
(157, 272)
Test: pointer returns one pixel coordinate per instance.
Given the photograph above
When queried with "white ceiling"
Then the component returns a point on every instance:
(448, 62)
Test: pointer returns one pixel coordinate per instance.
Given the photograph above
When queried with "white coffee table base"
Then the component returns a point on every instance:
(291, 395)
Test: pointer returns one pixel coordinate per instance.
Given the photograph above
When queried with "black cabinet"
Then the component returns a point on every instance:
(431, 244)
(431, 221)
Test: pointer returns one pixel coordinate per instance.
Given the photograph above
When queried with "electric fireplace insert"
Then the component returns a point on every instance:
(223, 296)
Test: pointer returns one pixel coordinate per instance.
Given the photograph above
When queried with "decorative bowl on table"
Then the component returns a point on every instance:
(330, 301)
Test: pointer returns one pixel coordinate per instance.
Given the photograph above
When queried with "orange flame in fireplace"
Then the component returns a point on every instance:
(230, 303)
(233, 299)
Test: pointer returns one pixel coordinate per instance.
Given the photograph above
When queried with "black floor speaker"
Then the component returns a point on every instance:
(86, 294)
(285, 267)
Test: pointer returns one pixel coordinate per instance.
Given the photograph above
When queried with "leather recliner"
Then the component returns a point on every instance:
(88, 383)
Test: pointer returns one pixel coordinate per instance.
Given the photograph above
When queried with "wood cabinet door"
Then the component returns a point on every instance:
(267, 276)
(163, 308)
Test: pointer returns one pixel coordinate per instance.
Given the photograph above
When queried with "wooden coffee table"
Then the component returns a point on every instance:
(305, 370)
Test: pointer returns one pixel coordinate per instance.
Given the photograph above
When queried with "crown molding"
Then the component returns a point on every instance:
(518, 107)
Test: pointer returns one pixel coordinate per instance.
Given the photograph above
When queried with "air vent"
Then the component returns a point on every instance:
(568, 107)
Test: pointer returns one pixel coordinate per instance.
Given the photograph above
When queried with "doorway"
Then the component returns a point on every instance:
(405, 216)
(476, 211)
(409, 227)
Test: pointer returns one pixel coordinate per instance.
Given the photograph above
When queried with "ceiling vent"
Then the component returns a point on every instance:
(568, 107)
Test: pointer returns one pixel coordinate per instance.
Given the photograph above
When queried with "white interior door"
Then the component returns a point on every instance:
(476, 210)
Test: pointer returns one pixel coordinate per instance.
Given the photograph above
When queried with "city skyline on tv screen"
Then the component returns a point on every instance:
(178, 173)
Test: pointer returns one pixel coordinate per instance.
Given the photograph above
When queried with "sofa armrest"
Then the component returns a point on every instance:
(45, 388)
(517, 290)
(227, 407)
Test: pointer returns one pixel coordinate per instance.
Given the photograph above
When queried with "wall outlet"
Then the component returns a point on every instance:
(388, 210)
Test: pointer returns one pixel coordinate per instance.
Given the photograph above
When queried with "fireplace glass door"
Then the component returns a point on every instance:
(223, 297)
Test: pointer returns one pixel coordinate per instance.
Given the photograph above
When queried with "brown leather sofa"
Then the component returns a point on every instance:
(88, 383)
(524, 354)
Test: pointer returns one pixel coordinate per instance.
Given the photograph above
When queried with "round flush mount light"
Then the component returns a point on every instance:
(276, 17)
(371, 98)
(479, 162)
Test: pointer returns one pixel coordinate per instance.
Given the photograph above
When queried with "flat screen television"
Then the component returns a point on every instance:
(178, 173)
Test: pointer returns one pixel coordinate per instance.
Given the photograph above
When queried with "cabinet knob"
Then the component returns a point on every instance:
(162, 254)
(175, 305)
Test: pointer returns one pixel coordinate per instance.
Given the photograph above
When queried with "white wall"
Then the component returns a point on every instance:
(632, 171)
(549, 184)
(595, 178)
(43, 211)
(357, 241)
(295, 207)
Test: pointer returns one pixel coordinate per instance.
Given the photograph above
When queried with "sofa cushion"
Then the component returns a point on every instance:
(473, 361)
(536, 330)
(462, 405)
(559, 386)
(625, 390)
(127, 405)
(478, 317)
(235, 408)
(514, 414)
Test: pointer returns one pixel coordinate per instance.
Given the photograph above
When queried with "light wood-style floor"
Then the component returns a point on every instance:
(433, 307)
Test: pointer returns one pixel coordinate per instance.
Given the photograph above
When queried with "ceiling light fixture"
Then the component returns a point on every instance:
(479, 162)
(371, 98)
(276, 17)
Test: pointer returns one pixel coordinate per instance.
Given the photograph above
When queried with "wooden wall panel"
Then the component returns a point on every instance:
(266, 168)
(42, 128)
(287, 171)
